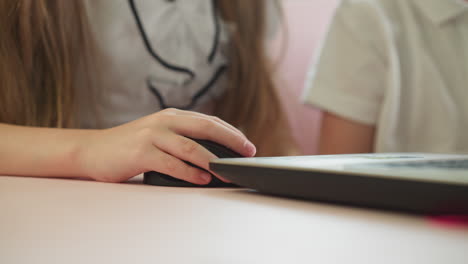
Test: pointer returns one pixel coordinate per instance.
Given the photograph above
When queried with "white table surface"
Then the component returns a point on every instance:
(74, 221)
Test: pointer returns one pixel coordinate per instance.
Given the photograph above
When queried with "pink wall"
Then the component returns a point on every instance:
(306, 22)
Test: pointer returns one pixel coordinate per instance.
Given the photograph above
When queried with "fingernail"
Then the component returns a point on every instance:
(250, 148)
(206, 177)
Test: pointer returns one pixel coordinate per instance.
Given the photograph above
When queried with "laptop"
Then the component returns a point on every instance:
(412, 182)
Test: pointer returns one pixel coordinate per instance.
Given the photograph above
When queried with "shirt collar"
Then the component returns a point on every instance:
(442, 11)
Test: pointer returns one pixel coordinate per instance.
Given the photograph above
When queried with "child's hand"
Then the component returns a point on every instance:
(158, 142)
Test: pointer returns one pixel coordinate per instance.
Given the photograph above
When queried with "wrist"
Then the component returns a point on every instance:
(78, 155)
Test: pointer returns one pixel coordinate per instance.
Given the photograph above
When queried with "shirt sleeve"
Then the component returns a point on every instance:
(348, 77)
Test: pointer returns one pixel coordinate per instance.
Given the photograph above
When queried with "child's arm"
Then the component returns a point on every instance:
(341, 136)
(349, 78)
(156, 142)
(31, 151)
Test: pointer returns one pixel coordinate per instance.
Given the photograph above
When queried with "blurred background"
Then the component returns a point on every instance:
(295, 46)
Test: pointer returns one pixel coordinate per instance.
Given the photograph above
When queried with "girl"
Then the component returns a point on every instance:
(392, 77)
(142, 77)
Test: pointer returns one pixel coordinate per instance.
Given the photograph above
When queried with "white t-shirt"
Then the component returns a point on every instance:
(132, 83)
(401, 65)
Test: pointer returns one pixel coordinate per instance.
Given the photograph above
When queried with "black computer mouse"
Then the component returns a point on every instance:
(160, 179)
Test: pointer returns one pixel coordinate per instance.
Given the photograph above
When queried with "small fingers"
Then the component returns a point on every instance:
(172, 166)
(209, 117)
(184, 148)
(208, 129)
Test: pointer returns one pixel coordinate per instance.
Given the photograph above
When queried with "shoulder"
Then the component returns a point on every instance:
(371, 13)
(374, 21)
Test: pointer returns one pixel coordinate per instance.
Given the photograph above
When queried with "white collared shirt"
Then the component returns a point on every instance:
(401, 65)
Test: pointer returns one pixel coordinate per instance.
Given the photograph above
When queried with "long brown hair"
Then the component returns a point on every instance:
(251, 101)
(44, 43)
(41, 48)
